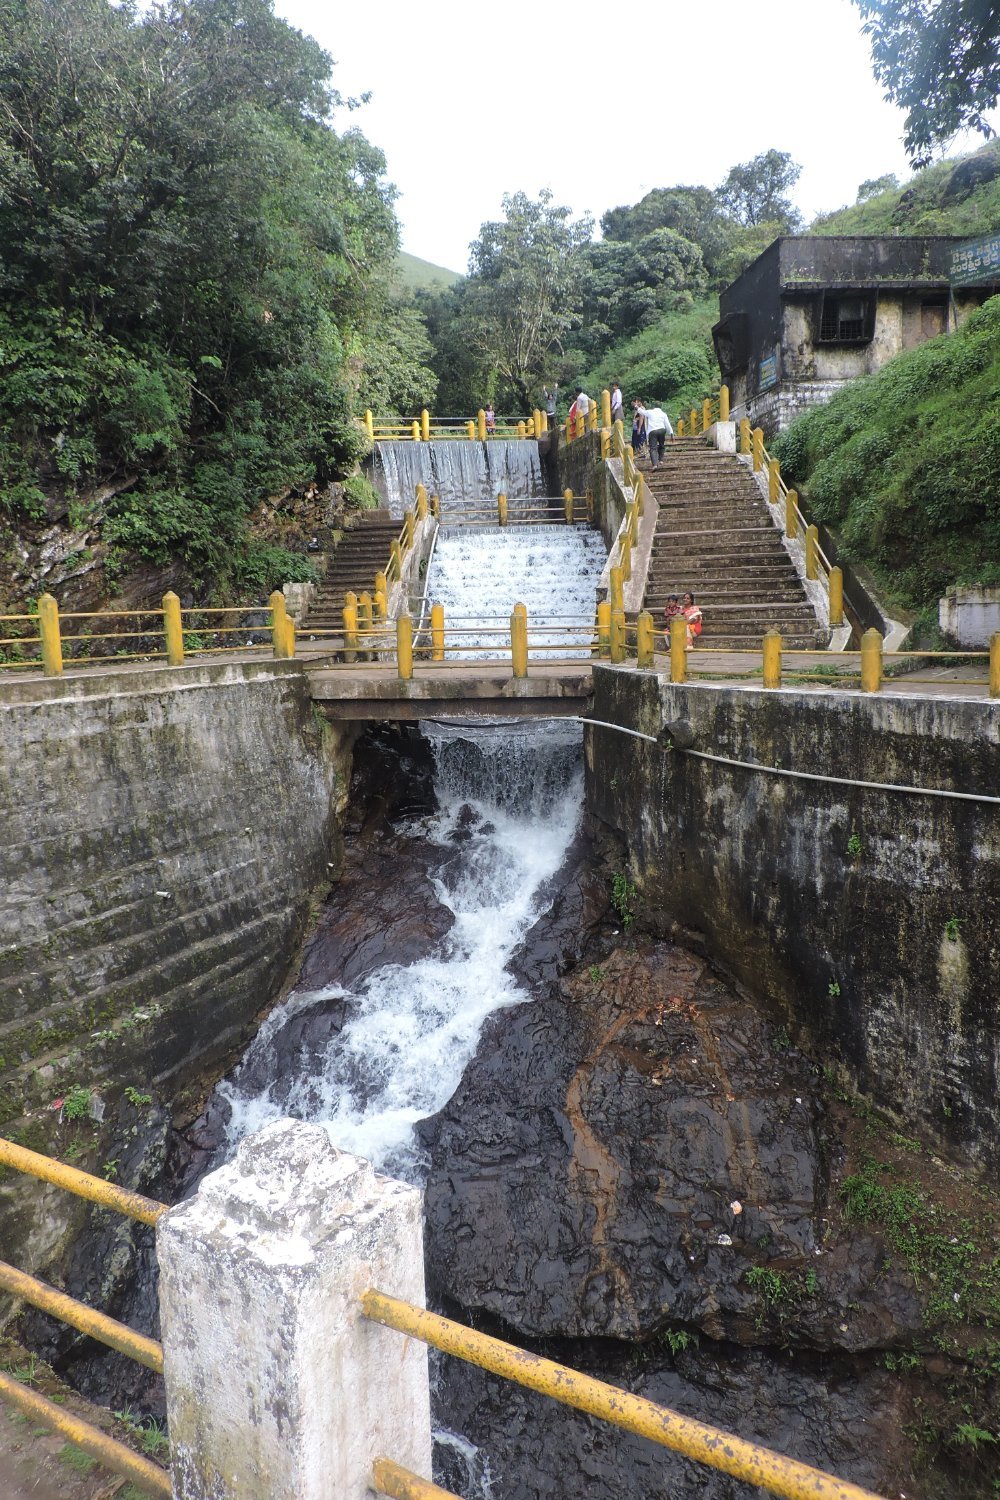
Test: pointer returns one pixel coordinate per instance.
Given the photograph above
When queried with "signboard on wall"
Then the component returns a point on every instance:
(977, 262)
(768, 372)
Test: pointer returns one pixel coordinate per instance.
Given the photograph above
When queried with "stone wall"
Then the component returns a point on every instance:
(164, 831)
(868, 919)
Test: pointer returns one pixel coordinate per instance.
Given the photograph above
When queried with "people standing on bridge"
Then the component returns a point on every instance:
(638, 427)
(491, 420)
(582, 406)
(551, 402)
(617, 406)
(658, 429)
(692, 615)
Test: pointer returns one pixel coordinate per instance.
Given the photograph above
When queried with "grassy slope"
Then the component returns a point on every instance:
(671, 363)
(416, 274)
(940, 200)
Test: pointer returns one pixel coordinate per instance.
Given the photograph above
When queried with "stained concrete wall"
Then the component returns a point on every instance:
(869, 919)
(163, 832)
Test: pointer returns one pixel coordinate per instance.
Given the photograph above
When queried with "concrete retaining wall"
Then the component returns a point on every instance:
(870, 919)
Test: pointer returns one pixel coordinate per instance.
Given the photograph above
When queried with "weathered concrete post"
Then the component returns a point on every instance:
(277, 1387)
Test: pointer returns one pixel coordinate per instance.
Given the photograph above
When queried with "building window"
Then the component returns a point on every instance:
(846, 318)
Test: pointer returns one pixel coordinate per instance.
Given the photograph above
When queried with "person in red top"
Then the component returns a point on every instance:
(491, 420)
(692, 614)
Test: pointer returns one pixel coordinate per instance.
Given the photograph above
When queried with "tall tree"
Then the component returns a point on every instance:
(940, 61)
(756, 192)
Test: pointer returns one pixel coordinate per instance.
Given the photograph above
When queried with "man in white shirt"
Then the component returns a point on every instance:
(617, 412)
(658, 429)
(582, 404)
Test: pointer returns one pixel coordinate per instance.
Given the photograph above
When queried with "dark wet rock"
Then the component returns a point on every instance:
(393, 781)
(576, 907)
(633, 1152)
(841, 1417)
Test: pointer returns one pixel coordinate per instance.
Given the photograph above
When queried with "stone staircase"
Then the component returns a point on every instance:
(363, 551)
(715, 538)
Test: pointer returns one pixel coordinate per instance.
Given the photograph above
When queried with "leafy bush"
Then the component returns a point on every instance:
(361, 494)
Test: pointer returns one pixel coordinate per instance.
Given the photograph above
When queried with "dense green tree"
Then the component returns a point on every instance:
(756, 192)
(694, 212)
(940, 61)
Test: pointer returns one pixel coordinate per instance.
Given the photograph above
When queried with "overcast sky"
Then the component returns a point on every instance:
(469, 102)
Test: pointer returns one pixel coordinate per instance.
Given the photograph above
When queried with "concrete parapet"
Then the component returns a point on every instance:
(277, 1387)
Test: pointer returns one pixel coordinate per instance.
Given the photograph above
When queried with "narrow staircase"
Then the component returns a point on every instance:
(715, 538)
(362, 552)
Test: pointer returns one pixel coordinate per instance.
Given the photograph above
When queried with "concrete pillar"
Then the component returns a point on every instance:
(277, 1387)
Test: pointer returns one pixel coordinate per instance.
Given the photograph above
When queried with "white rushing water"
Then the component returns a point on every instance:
(509, 798)
(460, 473)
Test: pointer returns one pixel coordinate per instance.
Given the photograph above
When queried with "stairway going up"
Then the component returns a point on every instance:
(715, 539)
(362, 552)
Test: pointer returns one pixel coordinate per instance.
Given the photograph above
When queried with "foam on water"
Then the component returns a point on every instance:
(461, 473)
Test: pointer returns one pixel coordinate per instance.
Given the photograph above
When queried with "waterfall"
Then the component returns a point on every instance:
(459, 471)
(509, 798)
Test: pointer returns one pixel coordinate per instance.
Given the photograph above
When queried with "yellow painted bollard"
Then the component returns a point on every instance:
(744, 434)
(380, 606)
(625, 545)
(396, 557)
(871, 662)
(678, 650)
(773, 481)
(365, 620)
(605, 408)
(276, 603)
(812, 544)
(502, 509)
(350, 630)
(173, 629)
(644, 638)
(836, 596)
(693, 422)
(995, 665)
(706, 414)
(723, 403)
(569, 430)
(604, 629)
(545, 421)
(425, 425)
(369, 426)
(415, 430)
(409, 528)
(381, 584)
(437, 632)
(758, 449)
(618, 635)
(581, 424)
(593, 421)
(628, 466)
(680, 427)
(519, 640)
(616, 591)
(470, 428)
(404, 647)
(792, 515)
(633, 520)
(421, 498)
(521, 430)
(605, 442)
(289, 637)
(529, 427)
(618, 438)
(436, 507)
(481, 424)
(568, 506)
(48, 629)
(772, 659)
(639, 491)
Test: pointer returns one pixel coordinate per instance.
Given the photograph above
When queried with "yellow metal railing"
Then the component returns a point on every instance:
(169, 634)
(479, 428)
(696, 1440)
(714, 408)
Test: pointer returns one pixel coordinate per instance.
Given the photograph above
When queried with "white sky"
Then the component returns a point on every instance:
(470, 102)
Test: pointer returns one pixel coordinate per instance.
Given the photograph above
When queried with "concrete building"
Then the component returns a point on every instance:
(815, 311)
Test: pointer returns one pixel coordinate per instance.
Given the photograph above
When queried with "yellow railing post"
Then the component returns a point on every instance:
(639, 492)
(381, 584)
(617, 635)
(625, 548)
(618, 437)
(370, 426)
(48, 629)
(409, 526)
(502, 509)
(632, 512)
(421, 499)
(568, 506)
(616, 591)
(545, 421)
(628, 465)
(415, 430)
(772, 659)
(995, 665)
(380, 605)
(569, 430)
(871, 661)
(773, 481)
(404, 647)
(437, 632)
(522, 430)
(836, 596)
(289, 637)
(678, 649)
(519, 640)
(744, 435)
(604, 628)
(365, 619)
(173, 630)
(593, 417)
(605, 442)
(758, 449)
(279, 640)
(723, 403)
(644, 639)
(605, 408)
(481, 424)
(693, 422)
(812, 544)
(350, 629)
(529, 426)
(425, 425)
(706, 414)
(436, 507)
(581, 424)
(470, 428)
(792, 515)
(681, 429)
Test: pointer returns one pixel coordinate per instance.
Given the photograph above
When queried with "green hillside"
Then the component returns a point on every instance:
(957, 196)
(419, 275)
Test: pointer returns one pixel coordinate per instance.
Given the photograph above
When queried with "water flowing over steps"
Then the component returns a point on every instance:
(363, 551)
(715, 537)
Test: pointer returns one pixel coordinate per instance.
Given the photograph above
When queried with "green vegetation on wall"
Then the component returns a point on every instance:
(905, 465)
